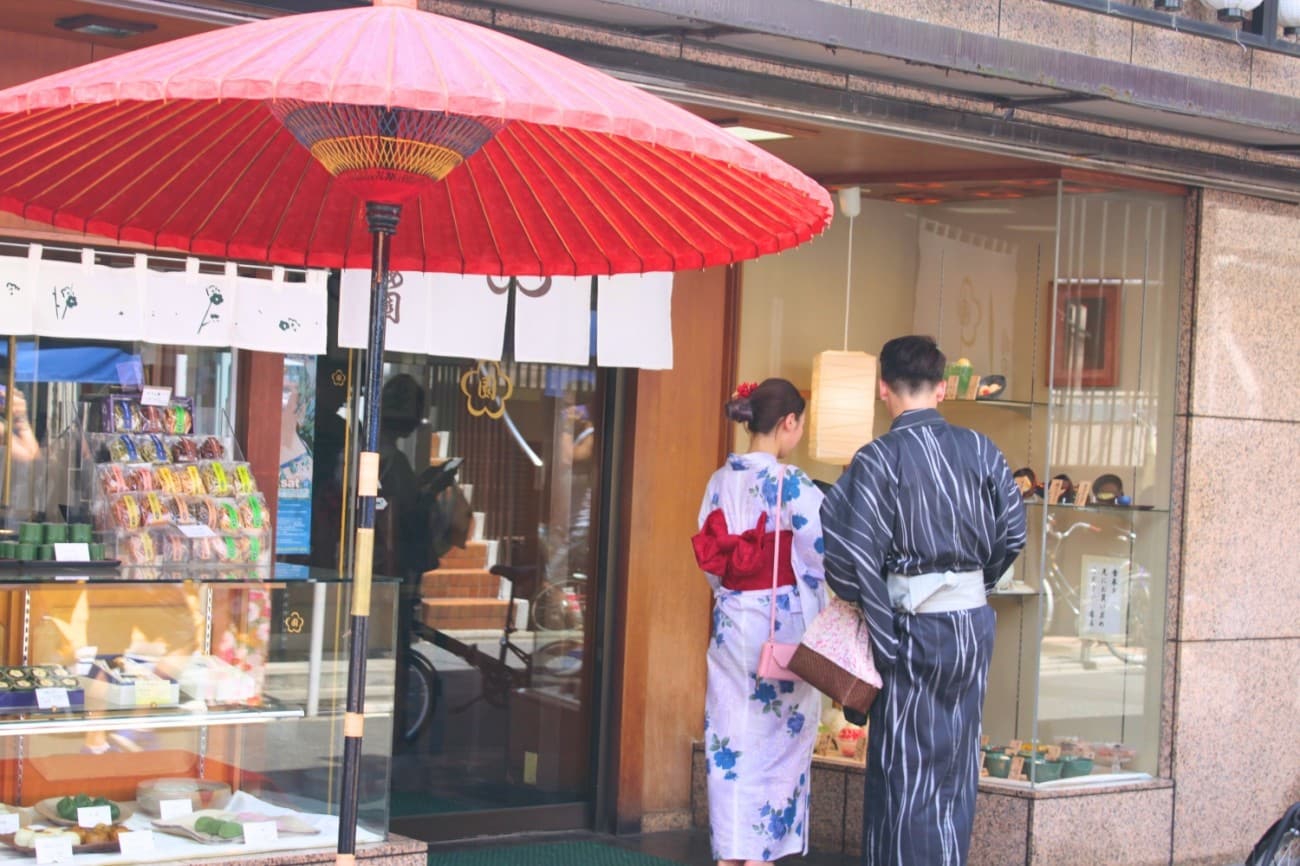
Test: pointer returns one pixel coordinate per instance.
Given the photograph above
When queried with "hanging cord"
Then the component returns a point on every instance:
(848, 287)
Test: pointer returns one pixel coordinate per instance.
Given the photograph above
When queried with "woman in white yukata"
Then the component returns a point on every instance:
(760, 733)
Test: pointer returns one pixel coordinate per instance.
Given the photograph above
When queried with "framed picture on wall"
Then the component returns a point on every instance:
(1086, 354)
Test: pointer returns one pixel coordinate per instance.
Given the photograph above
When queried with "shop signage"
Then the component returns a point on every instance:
(456, 316)
(93, 300)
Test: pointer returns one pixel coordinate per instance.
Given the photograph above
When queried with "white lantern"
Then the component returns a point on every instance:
(1288, 16)
(843, 405)
(1232, 10)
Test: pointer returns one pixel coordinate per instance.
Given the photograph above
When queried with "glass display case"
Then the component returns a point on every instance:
(206, 711)
(1057, 304)
(1075, 687)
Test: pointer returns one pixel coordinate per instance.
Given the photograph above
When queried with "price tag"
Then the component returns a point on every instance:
(74, 551)
(8, 823)
(196, 530)
(137, 843)
(169, 809)
(92, 816)
(155, 396)
(260, 832)
(151, 693)
(54, 850)
(52, 699)
(85, 657)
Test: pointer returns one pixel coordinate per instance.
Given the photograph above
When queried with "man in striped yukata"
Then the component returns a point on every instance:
(917, 530)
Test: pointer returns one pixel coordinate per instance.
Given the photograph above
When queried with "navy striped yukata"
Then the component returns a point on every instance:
(924, 500)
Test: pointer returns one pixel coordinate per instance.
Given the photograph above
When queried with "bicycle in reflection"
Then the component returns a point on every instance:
(1058, 586)
(551, 654)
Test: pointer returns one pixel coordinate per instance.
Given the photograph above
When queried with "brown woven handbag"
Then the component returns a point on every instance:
(835, 657)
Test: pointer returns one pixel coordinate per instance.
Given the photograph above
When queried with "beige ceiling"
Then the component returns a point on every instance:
(825, 153)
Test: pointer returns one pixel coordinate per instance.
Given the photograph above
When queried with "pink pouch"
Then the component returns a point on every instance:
(774, 661)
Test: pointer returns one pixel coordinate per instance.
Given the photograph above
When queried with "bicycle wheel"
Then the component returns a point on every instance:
(557, 607)
(560, 658)
(421, 697)
(1049, 606)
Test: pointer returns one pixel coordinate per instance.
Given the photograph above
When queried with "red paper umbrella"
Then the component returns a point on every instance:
(305, 140)
(198, 144)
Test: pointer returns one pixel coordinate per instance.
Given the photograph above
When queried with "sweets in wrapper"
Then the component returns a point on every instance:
(125, 512)
(151, 419)
(122, 449)
(179, 508)
(168, 479)
(241, 478)
(137, 548)
(175, 548)
(124, 415)
(204, 511)
(215, 479)
(151, 448)
(211, 448)
(190, 480)
(178, 419)
(153, 511)
(141, 479)
(227, 516)
(111, 478)
(252, 548)
(185, 450)
(252, 512)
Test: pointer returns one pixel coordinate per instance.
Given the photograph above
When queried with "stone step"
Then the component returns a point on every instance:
(459, 583)
(464, 613)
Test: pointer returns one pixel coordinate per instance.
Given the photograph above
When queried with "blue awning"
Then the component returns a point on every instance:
(90, 364)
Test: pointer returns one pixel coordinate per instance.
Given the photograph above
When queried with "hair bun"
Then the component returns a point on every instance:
(740, 410)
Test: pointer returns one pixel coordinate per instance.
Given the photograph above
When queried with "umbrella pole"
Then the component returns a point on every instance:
(382, 219)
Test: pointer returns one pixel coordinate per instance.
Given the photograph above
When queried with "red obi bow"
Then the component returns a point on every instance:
(744, 562)
(730, 556)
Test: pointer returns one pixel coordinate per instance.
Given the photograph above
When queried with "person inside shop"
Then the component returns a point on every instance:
(918, 529)
(569, 535)
(21, 441)
(760, 733)
(401, 540)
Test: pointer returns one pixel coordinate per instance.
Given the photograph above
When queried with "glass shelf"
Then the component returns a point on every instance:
(14, 577)
(1019, 405)
(189, 715)
(1097, 509)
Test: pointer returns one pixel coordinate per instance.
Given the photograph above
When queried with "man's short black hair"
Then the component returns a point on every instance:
(910, 363)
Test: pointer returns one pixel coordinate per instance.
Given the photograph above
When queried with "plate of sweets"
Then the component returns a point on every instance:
(84, 840)
(216, 826)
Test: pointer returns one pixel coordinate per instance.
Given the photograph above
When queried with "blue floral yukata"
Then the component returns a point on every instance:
(759, 733)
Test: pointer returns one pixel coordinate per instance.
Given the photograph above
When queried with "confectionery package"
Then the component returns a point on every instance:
(120, 682)
(19, 685)
(208, 678)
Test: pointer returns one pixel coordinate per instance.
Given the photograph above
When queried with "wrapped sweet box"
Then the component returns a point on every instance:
(120, 682)
(19, 685)
(210, 679)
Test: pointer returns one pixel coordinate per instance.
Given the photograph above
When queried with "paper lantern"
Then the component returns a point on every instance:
(843, 405)
(1232, 10)
(1288, 15)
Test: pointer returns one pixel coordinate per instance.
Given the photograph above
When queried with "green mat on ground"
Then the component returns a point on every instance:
(555, 854)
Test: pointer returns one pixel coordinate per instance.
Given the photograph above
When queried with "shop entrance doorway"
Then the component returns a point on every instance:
(489, 512)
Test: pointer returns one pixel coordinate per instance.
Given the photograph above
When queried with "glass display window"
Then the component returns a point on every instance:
(1057, 307)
